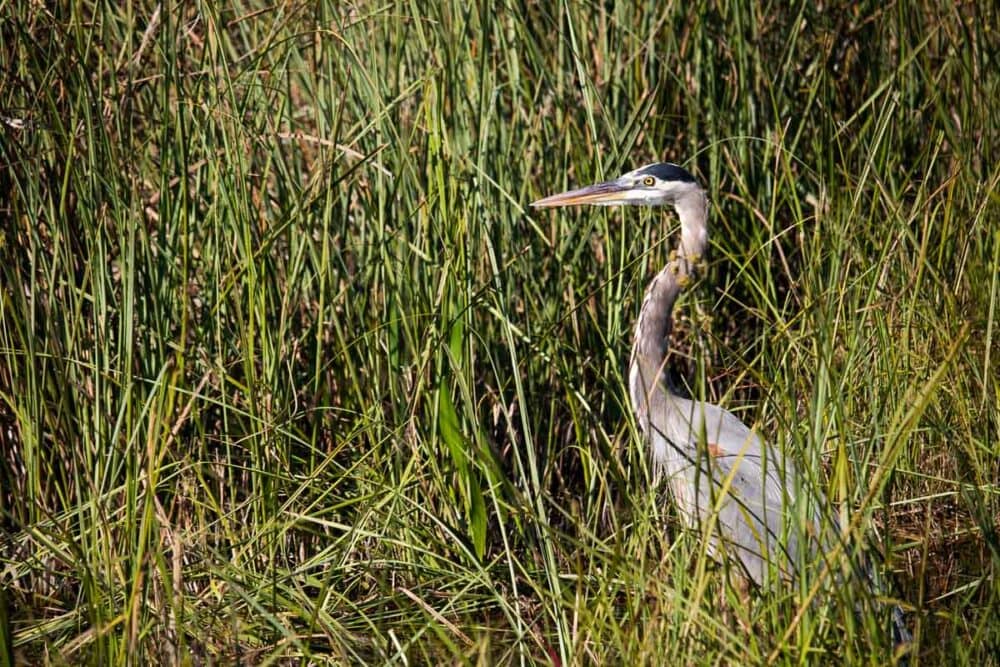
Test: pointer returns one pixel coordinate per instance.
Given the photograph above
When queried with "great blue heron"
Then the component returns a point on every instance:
(718, 469)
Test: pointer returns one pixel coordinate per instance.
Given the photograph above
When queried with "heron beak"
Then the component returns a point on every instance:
(608, 193)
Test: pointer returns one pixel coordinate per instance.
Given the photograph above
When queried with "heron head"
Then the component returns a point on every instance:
(655, 184)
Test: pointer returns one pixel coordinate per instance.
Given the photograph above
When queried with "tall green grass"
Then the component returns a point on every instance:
(290, 372)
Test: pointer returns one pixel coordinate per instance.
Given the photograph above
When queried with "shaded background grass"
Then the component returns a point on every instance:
(289, 369)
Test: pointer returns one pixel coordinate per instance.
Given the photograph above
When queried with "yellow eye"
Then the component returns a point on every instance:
(649, 181)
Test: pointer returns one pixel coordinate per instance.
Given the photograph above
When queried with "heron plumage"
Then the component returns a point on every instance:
(719, 470)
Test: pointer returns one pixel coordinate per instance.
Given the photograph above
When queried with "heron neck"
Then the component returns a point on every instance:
(652, 336)
(692, 210)
(652, 329)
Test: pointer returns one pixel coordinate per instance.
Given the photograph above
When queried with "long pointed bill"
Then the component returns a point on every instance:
(605, 194)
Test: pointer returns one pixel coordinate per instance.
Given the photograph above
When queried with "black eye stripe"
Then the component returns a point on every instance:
(667, 172)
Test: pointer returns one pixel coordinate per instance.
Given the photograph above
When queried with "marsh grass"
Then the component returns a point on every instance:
(290, 372)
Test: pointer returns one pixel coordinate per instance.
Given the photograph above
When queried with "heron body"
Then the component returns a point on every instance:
(718, 469)
(722, 475)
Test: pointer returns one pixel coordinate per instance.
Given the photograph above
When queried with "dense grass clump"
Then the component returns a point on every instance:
(290, 372)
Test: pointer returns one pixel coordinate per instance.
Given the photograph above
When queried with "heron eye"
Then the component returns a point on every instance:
(649, 181)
